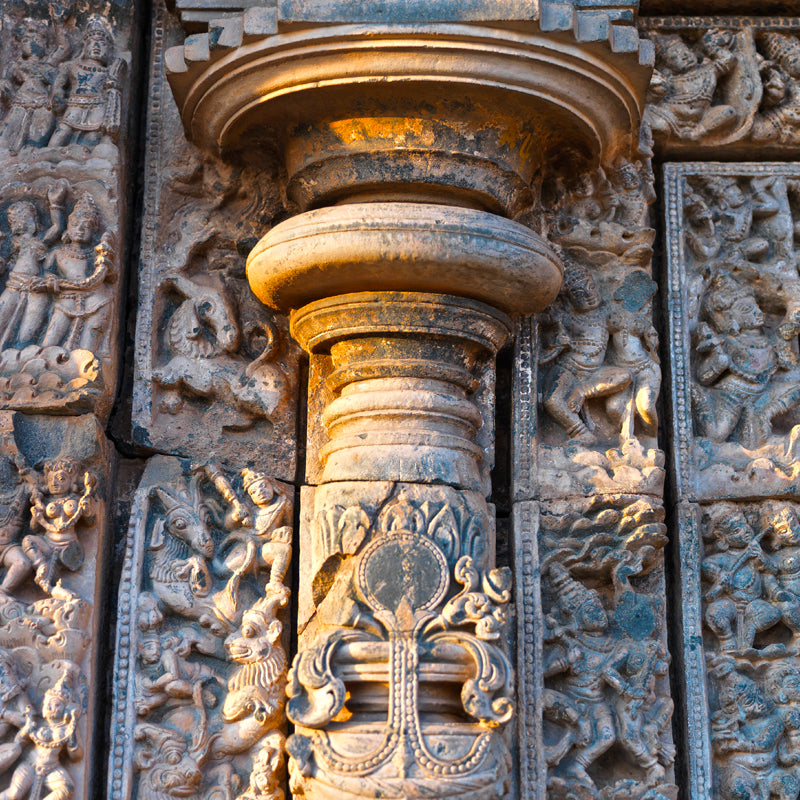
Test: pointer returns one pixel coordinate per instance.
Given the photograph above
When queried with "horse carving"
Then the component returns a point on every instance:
(204, 338)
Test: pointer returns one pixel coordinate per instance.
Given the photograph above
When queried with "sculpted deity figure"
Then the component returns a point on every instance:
(12, 521)
(783, 581)
(25, 300)
(26, 86)
(23, 304)
(578, 354)
(15, 705)
(701, 232)
(57, 732)
(782, 684)
(265, 778)
(733, 214)
(746, 733)
(59, 515)
(736, 609)
(632, 199)
(79, 282)
(634, 346)
(87, 90)
(166, 676)
(683, 87)
(778, 120)
(738, 360)
(589, 659)
(261, 537)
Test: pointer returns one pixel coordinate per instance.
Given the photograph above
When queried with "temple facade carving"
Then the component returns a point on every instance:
(399, 400)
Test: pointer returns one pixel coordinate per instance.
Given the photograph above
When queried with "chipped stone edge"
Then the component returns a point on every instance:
(696, 692)
(142, 379)
(530, 631)
(123, 714)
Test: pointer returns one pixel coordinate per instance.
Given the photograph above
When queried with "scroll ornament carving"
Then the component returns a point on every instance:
(724, 86)
(599, 354)
(211, 667)
(744, 318)
(58, 300)
(43, 641)
(605, 661)
(393, 585)
(750, 606)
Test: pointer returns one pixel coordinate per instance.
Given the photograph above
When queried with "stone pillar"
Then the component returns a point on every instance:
(414, 143)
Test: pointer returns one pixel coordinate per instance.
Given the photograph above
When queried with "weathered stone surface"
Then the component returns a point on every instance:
(592, 649)
(404, 601)
(734, 306)
(408, 377)
(201, 672)
(64, 106)
(724, 82)
(597, 354)
(739, 606)
(216, 376)
(56, 475)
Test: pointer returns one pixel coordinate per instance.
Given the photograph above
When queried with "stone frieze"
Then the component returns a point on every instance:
(592, 649)
(727, 82)
(734, 305)
(216, 376)
(64, 99)
(740, 645)
(598, 362)
(201, 671)
(53, 534)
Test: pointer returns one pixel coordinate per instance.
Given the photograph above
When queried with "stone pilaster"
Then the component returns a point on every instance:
(421, 151)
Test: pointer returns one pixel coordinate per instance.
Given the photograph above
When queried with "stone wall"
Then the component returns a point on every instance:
(399, 400)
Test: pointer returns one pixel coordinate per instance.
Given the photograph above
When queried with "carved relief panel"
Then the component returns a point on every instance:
(216, 373)
(403, 644)
(63, 106)
(598, 358)
(592, 655)
(734, 308)
(202, 640)
(55, 477)
(729, 82)
(740, 601)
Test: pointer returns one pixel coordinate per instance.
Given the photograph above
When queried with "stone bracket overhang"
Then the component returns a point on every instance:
(575, 74)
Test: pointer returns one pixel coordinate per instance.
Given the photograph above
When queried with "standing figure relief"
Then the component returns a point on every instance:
(600, 372)
(57, 303)
(54, 101)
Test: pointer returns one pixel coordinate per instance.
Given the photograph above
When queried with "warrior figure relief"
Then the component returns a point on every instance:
(738, 361)
(210, 672)
(87, 90)
(605, 691)
(747, 732)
